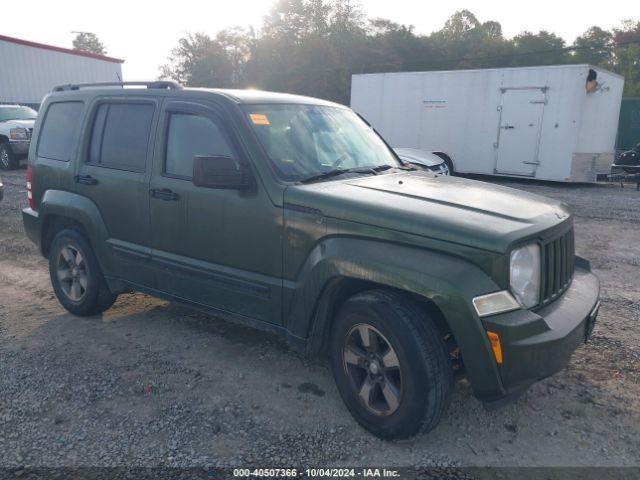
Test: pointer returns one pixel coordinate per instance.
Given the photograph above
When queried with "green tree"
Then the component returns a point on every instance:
(238, 45)
(459, 26)
(465, 42)
(88, 42)
(313, 47)
(309, 47)
(288, 20)
(594, 47)
(200, 61)
(542, 48)
(626, 56)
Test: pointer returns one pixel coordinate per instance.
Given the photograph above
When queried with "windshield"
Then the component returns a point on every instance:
(17, 113)
(307, 140)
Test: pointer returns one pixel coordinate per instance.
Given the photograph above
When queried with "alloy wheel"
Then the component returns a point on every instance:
(72, 273)
(373, 368)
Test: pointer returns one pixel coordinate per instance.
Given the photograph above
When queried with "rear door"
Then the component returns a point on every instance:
(114, 172)
(521, 112)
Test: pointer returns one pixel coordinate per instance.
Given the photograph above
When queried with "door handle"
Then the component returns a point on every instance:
(85, 179)
(164, 194)
(508, 127)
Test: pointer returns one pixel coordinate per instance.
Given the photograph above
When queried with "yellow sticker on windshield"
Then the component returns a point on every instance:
(259, 119)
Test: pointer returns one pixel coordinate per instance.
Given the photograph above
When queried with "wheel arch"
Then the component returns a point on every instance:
(343, 267)
(53, 224)
(60, 209)
(448, 160)
(339, 289)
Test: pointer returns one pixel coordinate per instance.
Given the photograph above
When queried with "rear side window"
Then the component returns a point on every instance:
(59, 131)
(120, 136)
(191, 135)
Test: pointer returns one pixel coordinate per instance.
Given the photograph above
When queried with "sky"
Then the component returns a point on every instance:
(144, 32)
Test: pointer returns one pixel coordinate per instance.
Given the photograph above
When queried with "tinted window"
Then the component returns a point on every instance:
(59, 131)
(120, 136)
(191, 135)
(303, 141)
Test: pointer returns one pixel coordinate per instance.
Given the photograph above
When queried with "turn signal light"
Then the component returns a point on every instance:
(495, 346)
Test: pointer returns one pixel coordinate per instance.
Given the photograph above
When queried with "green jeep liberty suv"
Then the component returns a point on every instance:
(292, 215)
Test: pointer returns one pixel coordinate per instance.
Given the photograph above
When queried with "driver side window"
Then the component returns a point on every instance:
(189, 135)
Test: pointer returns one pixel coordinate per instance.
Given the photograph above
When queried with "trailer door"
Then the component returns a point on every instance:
(521, 111)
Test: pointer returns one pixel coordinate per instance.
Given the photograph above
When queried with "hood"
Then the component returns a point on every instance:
(413, 155)
(451, 209)
(19, 123)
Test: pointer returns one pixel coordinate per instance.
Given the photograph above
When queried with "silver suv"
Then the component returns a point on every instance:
(16, 126)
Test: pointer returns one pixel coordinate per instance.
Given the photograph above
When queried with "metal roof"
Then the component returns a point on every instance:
(251, 96)
(239, 96)
(69, 51)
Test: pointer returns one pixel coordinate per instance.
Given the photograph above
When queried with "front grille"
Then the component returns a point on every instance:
(558, 263)
(29, 133)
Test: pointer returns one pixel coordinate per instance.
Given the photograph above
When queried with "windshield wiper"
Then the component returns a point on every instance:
(336, 172)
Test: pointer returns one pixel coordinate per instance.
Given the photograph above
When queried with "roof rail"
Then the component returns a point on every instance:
(157, 84)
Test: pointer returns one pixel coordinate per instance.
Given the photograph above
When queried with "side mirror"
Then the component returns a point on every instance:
(219, 172)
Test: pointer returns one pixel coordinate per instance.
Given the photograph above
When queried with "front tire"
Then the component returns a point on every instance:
(390, 364)
(76, 276)
(8, 160)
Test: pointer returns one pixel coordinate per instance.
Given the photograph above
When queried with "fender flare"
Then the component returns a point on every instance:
(448, 281)
(82, 210)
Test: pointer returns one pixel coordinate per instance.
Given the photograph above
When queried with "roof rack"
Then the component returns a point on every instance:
(158, 84)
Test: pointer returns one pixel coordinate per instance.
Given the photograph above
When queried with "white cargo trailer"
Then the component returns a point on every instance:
(549, 123)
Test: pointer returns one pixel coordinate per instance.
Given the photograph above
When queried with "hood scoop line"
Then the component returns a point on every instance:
(442, 202)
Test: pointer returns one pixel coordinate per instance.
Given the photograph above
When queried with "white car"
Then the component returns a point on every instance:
(429, 160)
(16, 126)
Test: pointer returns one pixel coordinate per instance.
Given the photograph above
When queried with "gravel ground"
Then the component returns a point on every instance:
(153, 384)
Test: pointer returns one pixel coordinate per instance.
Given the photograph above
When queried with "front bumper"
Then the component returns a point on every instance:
(19, 147)
(537, 344)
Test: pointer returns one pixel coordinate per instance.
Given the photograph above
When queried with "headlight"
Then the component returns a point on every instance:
(18, 134)
(524, 274)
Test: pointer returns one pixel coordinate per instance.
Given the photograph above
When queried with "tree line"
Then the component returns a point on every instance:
(312, 47)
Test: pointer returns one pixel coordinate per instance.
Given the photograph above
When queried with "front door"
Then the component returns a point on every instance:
(114, 174)
(217, 248)
(521, 113)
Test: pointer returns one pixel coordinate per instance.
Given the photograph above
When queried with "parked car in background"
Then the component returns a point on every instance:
(292, 215)
(429, 160)
(16, 127)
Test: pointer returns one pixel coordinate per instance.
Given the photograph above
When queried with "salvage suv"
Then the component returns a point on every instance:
(292, 215)
(16, 126)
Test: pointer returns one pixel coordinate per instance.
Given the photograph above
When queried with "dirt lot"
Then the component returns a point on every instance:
(150, 383)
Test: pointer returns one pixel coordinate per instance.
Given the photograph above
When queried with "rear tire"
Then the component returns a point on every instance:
(8, 160)
(76, 276)
(405, 386)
